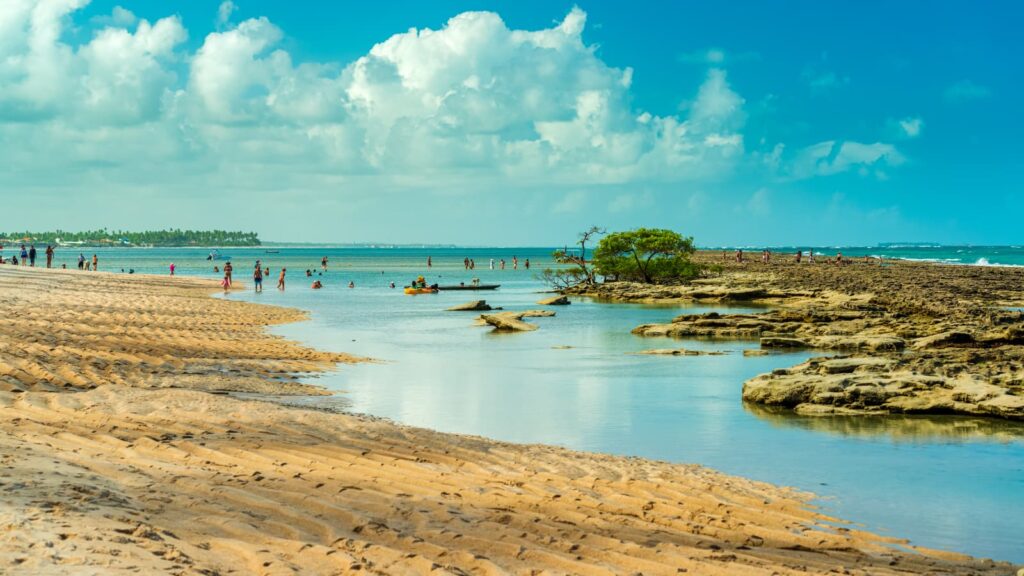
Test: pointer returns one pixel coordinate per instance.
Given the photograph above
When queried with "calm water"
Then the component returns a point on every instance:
(949, 483)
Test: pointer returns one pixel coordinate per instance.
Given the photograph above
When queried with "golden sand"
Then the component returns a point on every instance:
(115, 457)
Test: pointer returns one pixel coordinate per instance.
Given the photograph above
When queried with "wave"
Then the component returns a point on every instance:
(984, 262)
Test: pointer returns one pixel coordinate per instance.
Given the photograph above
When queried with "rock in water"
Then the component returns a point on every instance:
(681, 352)
(508, 322)
(473, 306)
(555, 301)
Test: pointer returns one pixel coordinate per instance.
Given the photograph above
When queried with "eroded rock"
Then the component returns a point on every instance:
(555, 301)
(471, 306)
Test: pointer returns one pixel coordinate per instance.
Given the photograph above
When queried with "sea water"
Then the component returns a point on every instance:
(944, 482)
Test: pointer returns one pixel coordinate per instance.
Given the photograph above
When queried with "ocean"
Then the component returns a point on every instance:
(945, 482)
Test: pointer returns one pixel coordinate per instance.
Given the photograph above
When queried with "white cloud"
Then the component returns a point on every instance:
(833, 157)
(118, 76)
(967, 90)
(470, 103)
(224, 12)
(911, 126)
(119, 16)
(716, 57)
(821, 81)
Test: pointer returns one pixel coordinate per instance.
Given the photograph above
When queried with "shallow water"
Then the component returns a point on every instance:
(952, 483)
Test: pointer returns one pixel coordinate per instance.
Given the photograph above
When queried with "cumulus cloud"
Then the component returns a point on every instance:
(118, 76)
(119, 16)
(835, 157)
(470, 102)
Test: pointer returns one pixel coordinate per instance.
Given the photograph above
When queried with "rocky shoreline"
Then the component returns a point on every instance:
(902, 337)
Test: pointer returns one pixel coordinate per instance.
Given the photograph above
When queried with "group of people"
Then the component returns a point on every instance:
(29, 255)
(470, 264)
(261, 272)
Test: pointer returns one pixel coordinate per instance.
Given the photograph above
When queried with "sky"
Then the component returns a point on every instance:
(516, 123)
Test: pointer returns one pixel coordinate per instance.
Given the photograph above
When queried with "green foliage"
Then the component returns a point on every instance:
(576, 270)
(106, 237)
(646, 255)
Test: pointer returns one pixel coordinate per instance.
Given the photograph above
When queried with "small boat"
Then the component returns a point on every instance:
(216, 255)
(272, 251)
(427, 290)
(470, 287)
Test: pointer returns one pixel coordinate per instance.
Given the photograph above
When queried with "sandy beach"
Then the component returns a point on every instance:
(124, 450)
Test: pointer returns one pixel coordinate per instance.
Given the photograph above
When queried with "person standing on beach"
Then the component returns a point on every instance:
(257, 279)
(280, 279)
(32, 256)
(226, 282)
(323, 263)
(799, 255)
(81, 261)
(527, 263)
(95, 263)
(172, 268)
(49, 255)
(24, 255)
(228, 268)
(430, 262)
(739, 255)
(492, 264)
(502, 263)
(515, 263)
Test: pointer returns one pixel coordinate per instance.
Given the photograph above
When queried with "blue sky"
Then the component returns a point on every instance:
(515, 123)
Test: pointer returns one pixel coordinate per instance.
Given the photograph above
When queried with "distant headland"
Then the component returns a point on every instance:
(163, 238)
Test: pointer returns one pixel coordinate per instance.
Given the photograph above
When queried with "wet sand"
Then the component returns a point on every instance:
(120, 452)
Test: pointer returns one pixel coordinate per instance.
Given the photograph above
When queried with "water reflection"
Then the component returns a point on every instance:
(897, 427)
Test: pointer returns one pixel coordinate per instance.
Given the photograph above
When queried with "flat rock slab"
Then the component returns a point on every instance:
(779, 342)
(513, 321)
(507, 322)
(555, 301)
(471, 306)
(681, 352)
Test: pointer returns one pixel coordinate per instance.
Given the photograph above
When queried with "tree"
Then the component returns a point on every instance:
(577, 270)
(646, 255)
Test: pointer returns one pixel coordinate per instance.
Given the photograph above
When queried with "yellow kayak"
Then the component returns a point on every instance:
(411, 290)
